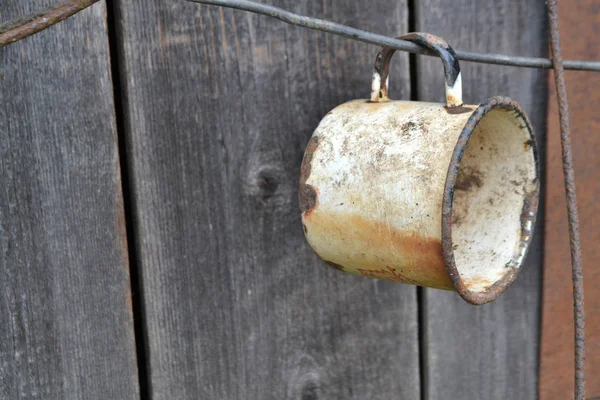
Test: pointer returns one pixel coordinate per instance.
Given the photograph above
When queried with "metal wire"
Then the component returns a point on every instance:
(372, 38)
(24, 27)
(39, 20)
(569, 177)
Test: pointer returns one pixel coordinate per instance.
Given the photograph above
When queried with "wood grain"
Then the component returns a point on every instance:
(578, 27)
(490, 351)
(66, 328)
(220, 105)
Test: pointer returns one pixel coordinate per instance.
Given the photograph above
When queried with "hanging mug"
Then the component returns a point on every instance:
(437, 195)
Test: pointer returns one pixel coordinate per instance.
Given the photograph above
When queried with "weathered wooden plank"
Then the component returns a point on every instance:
(579, 40)
(66, 329)
(490, 351)
(220, 105)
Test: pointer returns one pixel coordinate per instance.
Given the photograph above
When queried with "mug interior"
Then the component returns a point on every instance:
(490, 200)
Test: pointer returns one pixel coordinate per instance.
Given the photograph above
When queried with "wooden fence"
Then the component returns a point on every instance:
(149, 228)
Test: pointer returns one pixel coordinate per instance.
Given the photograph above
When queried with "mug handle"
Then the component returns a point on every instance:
(379, 89)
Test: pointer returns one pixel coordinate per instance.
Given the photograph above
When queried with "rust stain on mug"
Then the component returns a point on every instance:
(403, 256)
(335, 266)
(307, 194)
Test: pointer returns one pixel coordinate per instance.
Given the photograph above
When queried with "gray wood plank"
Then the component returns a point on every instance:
(490, 351)
(220, 105)
(66, 328)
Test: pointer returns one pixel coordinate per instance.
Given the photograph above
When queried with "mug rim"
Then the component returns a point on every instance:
(496, 289)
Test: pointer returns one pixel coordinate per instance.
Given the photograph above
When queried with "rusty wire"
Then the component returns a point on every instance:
(26, 26)
(39, 20)
(569, 177)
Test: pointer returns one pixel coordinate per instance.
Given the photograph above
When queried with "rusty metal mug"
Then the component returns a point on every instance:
(442, 196)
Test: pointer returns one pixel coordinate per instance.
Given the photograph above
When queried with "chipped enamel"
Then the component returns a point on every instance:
(454, 92)
(375, 86)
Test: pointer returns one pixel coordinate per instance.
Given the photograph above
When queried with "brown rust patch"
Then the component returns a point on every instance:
(515, 183)
(376, 249)
(334, 265)
(527, 144)
(424, 39)
(308, 199)
(457, 110)
(409, 127)
(529, 214)
(489, 293)
(307, 194)
(374, 106)
(434, 40)
(312, 145)
(387, 273)
(477, 282)
(456, 105)
(468, 178)
(457, 218)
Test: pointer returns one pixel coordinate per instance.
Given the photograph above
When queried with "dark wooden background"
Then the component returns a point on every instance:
(150, 234)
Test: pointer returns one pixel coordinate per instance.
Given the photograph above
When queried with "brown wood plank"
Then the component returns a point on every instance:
(490, 351)
(578, 27)
(66, 328)
(220, 105)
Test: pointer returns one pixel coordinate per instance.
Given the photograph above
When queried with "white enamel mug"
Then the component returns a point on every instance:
(436, 195)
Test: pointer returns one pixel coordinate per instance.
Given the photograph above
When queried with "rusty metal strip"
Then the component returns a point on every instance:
(23, 27)
(569, 179)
